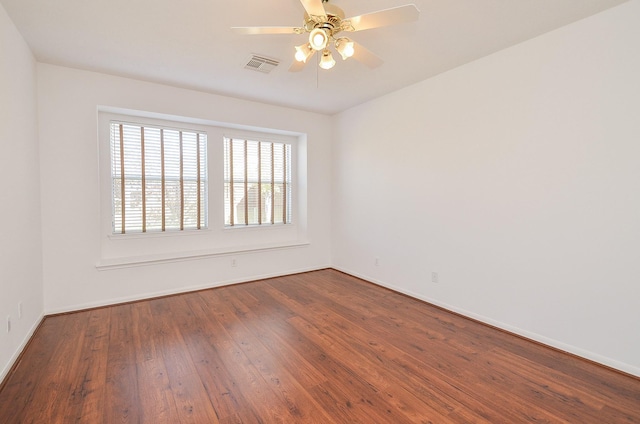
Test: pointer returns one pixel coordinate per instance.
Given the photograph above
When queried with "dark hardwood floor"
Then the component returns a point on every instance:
(319, 347)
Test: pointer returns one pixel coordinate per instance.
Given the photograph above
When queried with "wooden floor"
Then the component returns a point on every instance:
(319, 347)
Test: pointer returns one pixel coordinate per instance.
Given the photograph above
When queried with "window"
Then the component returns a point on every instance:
(229, 188)
(257, 182)
(159, 178)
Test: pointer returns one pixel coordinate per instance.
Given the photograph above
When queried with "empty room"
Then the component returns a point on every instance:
(310, 211)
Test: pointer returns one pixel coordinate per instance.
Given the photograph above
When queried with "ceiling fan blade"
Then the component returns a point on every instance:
(365, 56)
(395, 15)
(313, 7)
(296, 66)
(265, 30)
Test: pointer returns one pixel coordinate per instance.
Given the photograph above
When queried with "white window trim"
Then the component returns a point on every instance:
(135, 249)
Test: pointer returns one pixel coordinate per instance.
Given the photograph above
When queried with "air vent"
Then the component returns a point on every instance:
(261, 64)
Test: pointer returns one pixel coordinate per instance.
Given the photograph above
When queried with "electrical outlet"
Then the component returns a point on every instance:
(8, 324)
(434, 277)
(376, 261)
(19, 310)
(234, 262)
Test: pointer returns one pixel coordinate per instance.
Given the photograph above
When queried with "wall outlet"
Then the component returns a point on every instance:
(376, 261)
(19, 310)
(234, 262)
(434, 277)
(8, 324)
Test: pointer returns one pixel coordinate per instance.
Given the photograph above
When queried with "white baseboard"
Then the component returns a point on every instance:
(21, 347)
(151, 295)
(612, 363)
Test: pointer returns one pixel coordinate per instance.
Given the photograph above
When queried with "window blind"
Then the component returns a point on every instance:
(257, 182)
(159, 178)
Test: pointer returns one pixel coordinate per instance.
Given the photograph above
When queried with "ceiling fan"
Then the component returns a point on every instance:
(325, 22)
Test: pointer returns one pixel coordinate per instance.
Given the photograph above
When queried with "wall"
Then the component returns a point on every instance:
(20, 241)
(68, 102)
(516, 178)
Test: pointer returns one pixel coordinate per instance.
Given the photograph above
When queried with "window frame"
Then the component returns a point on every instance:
(133, 249)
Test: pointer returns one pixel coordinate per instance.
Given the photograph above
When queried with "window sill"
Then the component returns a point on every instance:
(135, 261)
(159, 234)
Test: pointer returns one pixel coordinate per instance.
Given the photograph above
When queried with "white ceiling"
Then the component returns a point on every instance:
(188, 43)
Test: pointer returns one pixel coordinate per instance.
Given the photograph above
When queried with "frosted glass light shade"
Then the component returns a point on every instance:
(318, 39)
(327, 61)
(345, 47)
(303, 52)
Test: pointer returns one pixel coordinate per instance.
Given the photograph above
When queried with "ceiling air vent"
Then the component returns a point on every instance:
(261, 63)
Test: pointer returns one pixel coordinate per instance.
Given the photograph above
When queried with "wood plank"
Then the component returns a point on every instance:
(192, 402)
(157, 398)
(122, 398)
(93, 369)
(227, 399)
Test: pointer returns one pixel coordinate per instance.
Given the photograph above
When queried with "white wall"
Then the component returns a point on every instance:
(20, 241)
(67, 108)
(517, 179)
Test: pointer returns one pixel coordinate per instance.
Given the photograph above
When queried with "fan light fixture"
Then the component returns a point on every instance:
(324, 23)
(303, 52)
(323, 30)
(318, 39)
(345, 47)
(327, 61)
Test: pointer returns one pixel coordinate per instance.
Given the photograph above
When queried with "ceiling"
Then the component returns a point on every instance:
(188, 43)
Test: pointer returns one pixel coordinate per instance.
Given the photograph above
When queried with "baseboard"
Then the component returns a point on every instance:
(18, 353)
(555, 344)
(180, 290)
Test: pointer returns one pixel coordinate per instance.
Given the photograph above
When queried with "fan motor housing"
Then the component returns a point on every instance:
(332, 23)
